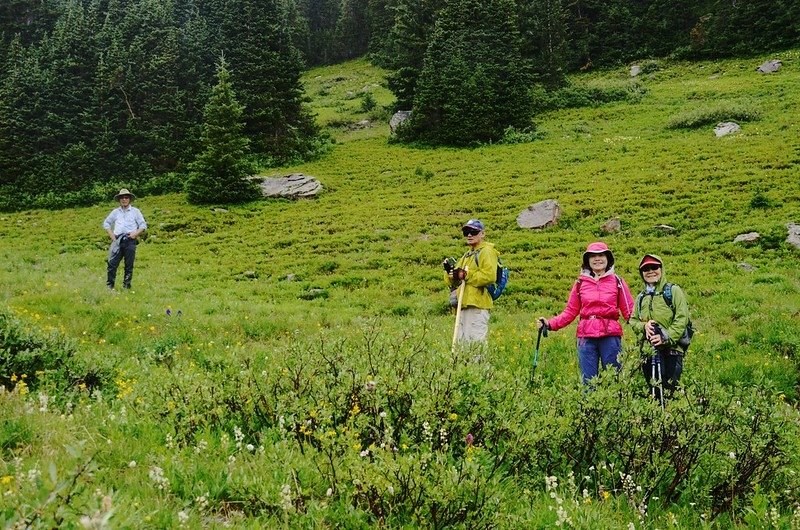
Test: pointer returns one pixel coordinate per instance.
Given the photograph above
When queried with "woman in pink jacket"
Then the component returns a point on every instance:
(599, 297)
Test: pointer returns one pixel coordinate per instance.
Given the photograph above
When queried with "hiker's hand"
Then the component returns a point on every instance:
(448, 267)
(656, 340)
(649, 331)
(459, 274)
(542, 323)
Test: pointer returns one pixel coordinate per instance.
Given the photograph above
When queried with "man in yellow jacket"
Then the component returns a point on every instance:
(477, 268)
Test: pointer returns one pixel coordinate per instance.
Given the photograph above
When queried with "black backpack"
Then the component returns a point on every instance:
(688, 333)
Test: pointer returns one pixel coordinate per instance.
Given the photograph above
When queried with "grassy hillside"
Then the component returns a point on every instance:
(235, 384)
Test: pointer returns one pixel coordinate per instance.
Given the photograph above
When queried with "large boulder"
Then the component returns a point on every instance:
(749, 237)
(794, 235)
(635, 70)
(769, 67)
(398, 118)
(612, 226)
(294, 186)
(725, 128)
(540, 215)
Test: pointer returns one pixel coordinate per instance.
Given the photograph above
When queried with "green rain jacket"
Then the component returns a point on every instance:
(654, 307)
(479, 276)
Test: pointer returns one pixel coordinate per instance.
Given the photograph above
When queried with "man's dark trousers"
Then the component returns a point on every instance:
(127, 251)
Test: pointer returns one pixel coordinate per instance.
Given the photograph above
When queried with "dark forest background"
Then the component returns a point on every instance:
(95, 93)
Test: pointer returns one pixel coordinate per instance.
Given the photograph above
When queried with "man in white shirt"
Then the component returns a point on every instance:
(124, 225)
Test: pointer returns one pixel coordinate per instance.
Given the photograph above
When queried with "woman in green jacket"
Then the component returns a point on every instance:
(660, 319)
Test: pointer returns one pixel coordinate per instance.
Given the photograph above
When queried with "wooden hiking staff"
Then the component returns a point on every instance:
(458, 311)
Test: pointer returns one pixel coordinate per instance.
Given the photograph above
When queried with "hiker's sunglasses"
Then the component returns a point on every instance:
(470, 232)
(648, 268)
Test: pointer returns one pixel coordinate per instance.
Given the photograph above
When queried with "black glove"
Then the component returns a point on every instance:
(448, 264)
(459, 274)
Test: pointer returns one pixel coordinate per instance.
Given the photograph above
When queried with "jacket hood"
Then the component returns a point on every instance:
(598, 248)
(663, 278)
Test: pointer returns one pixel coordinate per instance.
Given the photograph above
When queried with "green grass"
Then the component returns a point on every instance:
(350, 284)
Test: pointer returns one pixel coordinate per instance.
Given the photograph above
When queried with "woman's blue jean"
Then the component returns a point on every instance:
(594, 352)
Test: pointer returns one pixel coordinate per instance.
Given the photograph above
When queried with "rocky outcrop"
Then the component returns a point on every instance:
(294, 186)
(540, 215)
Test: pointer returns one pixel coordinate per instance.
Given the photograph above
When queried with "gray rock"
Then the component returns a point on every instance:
(636, 70)
(746, 267)
(540, 215)
(794, 234)
(294, 186)
(612, 226)
(399, 117)
(725, 128)
(749, 237)
(359, 125)
(769, 67)
(665, 228)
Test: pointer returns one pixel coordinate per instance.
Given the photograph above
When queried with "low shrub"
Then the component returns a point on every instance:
(30, 359)
(407, 433)
(589, 95)
(713, 114)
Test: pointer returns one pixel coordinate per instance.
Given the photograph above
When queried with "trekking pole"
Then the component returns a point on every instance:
(458, 312)
(542, 331)
(655, 377)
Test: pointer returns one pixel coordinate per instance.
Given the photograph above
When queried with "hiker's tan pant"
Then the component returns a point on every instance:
(473, 325)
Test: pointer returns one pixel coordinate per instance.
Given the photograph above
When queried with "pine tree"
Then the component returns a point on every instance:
(256, 37)
(352, 29)
(405, 47)
(473, 84)
(219, 174)
(543, 25)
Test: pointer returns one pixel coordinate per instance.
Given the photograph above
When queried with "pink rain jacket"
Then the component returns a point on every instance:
(599, 302)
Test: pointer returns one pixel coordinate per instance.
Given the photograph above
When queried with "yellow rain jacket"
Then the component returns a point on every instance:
(481, 266)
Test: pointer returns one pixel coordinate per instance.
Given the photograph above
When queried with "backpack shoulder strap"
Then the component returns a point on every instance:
(668, 295)
(639, 300)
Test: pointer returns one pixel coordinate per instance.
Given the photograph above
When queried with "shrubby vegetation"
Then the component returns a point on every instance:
(711, 114)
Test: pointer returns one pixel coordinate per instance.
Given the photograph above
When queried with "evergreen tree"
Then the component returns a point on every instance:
(30, 20)
(473, 84)
(219, 174)
(352, 29)
(255, 36)
(543, 27)
(380, 15)
(154, 69)
(20, 127)
(406, 44)
(313, 26)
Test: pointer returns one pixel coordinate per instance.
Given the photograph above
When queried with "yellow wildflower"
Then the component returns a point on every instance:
(8, 479)
(453, 416)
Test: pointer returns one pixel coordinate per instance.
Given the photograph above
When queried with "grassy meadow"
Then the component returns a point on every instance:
(287, 363)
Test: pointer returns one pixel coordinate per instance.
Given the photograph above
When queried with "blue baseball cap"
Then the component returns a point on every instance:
(474, 223)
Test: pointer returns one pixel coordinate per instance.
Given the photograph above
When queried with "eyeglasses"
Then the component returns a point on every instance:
(648, 268)
(470, 232)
